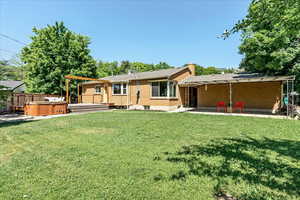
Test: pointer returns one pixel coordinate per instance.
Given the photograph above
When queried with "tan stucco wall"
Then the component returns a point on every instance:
(209, 95)
(89, 94)
(119, 100)
(261, 95)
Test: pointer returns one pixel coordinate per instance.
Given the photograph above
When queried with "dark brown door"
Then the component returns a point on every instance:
(193, 96)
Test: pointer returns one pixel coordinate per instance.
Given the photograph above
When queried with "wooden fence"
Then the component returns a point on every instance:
(16, 101)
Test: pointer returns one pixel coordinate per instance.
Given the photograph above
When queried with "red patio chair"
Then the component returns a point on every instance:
(220, 105)
(239, 106)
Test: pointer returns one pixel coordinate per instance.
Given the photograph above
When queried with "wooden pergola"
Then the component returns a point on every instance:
(71, 77)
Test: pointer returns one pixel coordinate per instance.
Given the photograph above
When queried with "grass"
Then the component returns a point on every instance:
(150, 155)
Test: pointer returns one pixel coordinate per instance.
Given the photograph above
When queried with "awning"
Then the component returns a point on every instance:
(231, 78)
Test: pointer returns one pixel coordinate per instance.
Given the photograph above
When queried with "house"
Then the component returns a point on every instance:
(13, 86)
(6, 88)
(170, 89)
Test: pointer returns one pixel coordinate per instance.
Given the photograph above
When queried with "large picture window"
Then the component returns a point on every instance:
(163, 89)
(119, 88)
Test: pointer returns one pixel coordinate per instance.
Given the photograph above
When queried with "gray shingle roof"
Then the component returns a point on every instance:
(241, 77)
(165, 73)
(10, 85)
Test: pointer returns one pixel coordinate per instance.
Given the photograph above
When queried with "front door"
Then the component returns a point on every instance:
(193, 97)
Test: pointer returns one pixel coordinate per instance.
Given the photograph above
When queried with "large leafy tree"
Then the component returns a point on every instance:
(114, 68)
(54, 52)
(107, 69)
(162, 65)
(200, 70)
(271, 37)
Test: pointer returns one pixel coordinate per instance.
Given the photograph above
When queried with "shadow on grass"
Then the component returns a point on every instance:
(270, 168)
(14, 123)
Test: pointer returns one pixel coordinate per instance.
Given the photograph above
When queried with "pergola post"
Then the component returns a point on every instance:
(67, 91)
(78, 96)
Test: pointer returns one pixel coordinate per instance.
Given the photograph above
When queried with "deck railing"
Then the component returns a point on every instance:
(16, 101)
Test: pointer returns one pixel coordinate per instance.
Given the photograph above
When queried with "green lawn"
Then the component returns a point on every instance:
(150, 155)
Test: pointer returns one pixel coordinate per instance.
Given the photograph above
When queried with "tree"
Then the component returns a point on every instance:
(54, 52)
(271, 37)
(200, 70)
(124, 67)
(162, 65)
(141, 67)
(107, 69)
(113, 68)
(10, 71)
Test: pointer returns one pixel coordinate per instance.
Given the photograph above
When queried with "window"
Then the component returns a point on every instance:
(116, 88)
(163, 89)
(124, 88)
(155, 89)
(172, 89)
(119, 88)
(98, 89)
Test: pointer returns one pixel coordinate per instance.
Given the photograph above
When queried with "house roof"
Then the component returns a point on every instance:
(11, 85)
(164, 73)
(227, 78)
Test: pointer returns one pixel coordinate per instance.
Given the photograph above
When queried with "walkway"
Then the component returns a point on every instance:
(240, 114)
(20, 117)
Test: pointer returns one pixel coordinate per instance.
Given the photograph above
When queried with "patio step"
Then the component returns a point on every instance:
(74, 108)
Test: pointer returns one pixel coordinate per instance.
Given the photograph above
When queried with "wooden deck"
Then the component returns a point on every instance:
(74, 108)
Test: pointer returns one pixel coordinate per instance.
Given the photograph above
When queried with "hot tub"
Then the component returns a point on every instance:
(44, 108)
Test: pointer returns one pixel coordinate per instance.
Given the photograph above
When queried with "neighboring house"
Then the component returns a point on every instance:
(9, 87)
(13, 86)
(170, 89)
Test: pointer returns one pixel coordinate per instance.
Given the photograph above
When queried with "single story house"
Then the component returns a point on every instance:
(10, 87)
(170, 89)
(13, 86)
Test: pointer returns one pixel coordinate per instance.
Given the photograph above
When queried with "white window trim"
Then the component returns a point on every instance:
(168, 90)
(122, 84)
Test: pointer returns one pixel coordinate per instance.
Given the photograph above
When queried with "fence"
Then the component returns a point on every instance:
(16, 101)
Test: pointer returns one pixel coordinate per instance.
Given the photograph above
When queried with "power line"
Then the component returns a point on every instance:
(8, 55)
(12, 39)
(8, 51)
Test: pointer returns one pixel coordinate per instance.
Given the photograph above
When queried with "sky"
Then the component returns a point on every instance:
(173, 31)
